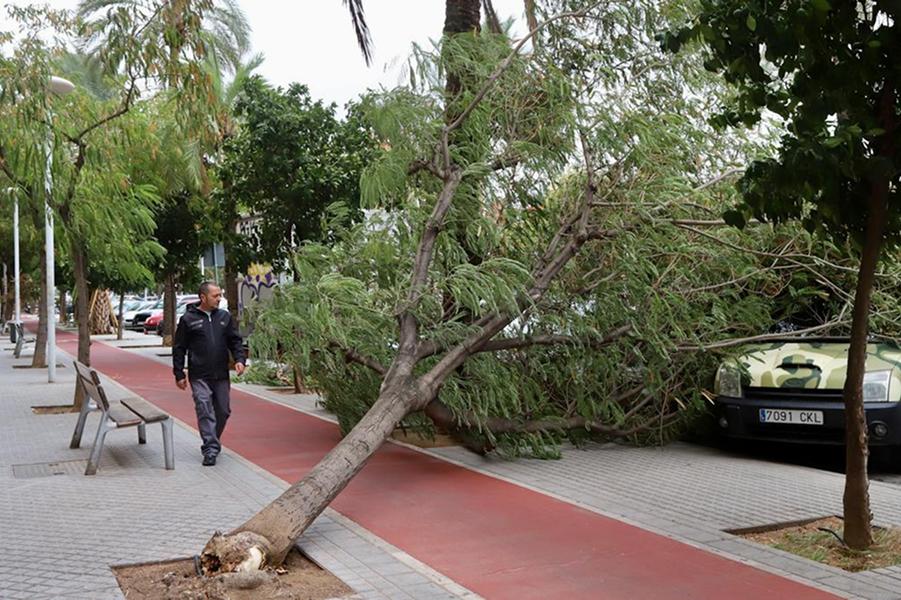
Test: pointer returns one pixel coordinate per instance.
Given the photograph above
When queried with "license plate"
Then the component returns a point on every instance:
(793, 417)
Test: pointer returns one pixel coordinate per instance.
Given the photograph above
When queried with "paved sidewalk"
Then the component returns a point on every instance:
(498, 539)
(624, 522)
(60, 533)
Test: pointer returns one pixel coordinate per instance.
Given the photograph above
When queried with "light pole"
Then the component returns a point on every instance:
(17, 307)
(60, 87)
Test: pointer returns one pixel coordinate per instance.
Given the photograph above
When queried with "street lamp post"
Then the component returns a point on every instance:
(60, 87)
(17, 307)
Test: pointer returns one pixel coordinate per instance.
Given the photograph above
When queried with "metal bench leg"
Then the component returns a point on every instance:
(168, 446)
(142, 434)
(79, 426)
(94, 460)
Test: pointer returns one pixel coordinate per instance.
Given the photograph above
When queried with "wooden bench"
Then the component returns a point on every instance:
(129, 412)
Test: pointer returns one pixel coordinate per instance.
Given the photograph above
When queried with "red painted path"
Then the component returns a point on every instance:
(496, 538)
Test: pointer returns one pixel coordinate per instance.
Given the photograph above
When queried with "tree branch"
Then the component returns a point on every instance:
(431, 348)
(7, 170)
(434, 225)
(794, 337)
(123, 108)
(353, 356)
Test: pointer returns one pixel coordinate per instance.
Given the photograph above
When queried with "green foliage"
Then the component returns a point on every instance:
(183, 229)
(674, 287)
(829, 71)
(288, 160)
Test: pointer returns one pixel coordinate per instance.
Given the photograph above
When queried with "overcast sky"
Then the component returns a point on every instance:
(312, 41)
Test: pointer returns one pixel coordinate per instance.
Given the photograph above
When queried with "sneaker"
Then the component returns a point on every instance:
(209, 461)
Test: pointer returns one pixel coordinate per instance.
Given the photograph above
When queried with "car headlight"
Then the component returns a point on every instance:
(727, 382)
(875, 386)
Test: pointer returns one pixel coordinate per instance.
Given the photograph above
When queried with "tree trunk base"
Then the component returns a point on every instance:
(240, 552)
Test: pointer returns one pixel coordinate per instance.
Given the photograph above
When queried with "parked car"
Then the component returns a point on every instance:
(136, 322)
(153, 322)
(182, 308)
(791, 391)
(132, 307)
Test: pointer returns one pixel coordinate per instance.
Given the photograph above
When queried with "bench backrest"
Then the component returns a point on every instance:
(90, 383)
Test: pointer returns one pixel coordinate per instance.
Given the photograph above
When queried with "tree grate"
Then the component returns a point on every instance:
(66, 467)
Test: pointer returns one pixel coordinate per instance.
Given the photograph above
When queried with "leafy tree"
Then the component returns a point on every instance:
(90, 184)
(182, 228)
(830, 71)
(288, 160)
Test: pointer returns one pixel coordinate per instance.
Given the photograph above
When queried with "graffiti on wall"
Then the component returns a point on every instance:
(256, 285)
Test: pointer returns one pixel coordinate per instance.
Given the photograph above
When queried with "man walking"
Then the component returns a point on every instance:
(207, 335)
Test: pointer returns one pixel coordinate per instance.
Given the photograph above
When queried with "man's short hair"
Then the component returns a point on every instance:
(204, 289)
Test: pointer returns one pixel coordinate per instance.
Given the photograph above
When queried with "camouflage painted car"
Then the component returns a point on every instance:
(791, 391)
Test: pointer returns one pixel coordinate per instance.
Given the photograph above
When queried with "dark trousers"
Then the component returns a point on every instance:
(211, 404)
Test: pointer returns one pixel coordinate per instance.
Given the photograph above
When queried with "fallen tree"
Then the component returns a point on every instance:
(543, 260)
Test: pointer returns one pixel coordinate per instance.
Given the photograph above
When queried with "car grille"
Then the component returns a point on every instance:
(793, 394)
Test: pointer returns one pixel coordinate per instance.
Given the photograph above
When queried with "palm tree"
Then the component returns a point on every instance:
(225, 30)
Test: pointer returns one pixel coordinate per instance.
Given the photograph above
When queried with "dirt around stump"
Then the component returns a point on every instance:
(820, 540)
(299, 579)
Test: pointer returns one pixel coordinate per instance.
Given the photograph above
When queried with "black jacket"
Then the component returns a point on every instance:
(207, 341)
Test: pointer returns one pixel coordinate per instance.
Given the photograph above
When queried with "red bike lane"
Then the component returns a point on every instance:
(498, 539)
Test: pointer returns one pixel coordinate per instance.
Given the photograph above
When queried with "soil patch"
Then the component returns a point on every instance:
(287, 390)
(298, 579)
(812, 540)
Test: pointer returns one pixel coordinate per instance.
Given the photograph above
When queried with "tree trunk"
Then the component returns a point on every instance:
(299, 387)
(8, 299)
(121, 324)
(461, 16)
(82, 313)
(63, 316)
(856, 499)
(169, 310)
(231, 288)
(82, 295)
(858, 533)
(39, 360)
(280, 523)
(231, 217)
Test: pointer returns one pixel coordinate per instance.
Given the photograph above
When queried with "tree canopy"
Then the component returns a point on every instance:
(288, 160)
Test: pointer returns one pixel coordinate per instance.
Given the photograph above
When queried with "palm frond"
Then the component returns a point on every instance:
(361, 29)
